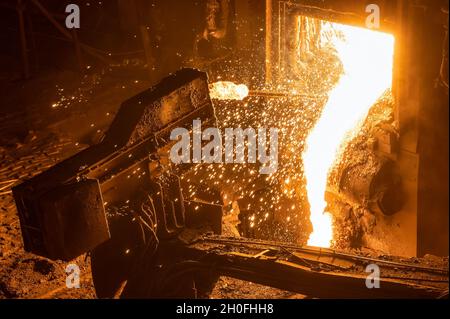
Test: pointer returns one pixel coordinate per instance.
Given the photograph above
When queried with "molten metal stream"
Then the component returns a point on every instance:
(367, 59)
(225, 90)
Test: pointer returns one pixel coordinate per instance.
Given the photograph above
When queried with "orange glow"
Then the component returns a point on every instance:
(224, 90)
(367, 59)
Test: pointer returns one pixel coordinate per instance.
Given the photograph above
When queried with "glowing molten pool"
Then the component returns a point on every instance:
(367, 59)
